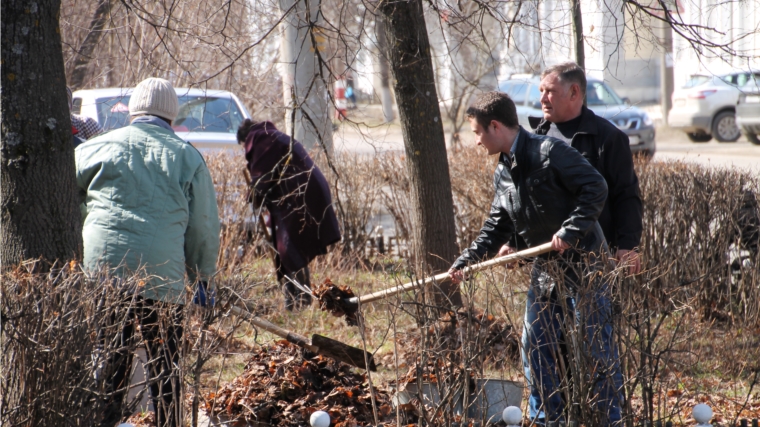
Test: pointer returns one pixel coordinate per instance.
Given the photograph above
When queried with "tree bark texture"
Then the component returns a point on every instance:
(84, 54)
(385, 87)
(580, 48)
(303, 75)
(39, 209)
(434, 233)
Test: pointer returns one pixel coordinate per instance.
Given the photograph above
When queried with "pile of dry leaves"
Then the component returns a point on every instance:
(282, 387)
(332, 298)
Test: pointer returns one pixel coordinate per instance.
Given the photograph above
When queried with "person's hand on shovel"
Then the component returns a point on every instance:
(559, 245)
(508, 250)
(458, 275)
(455, 275)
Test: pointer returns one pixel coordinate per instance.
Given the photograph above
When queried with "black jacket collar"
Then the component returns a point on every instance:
(588, 123)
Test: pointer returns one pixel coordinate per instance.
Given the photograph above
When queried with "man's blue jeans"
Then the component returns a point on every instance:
(568, 338)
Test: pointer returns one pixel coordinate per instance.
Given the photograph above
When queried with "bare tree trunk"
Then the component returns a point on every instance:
(385, 86)
(84, 55)
(666, 69)
(304, 77)
(580, 49)
(434, 234)
(39, 208)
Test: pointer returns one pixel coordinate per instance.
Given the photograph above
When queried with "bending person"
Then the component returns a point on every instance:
(286, 181)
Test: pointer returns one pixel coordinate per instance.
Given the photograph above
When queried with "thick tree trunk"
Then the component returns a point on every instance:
(303, 76)
(39, 208)
(434, 234)
(84, 55)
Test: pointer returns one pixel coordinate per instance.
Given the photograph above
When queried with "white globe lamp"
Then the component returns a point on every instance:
(320, 419)
(702, 413)
(512, 415)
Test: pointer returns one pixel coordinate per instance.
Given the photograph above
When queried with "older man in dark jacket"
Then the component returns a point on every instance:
(563, 88)
(297, 196)
(546, 191)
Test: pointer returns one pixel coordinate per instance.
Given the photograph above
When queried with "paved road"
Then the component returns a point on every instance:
(671, 145)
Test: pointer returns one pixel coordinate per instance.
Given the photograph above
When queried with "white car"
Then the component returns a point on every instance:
(208, 119)
(705, 107)
(748, 111)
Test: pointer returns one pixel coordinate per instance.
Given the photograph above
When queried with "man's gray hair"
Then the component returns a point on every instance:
(568, 72)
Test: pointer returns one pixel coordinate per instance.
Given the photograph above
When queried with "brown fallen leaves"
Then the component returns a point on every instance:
(282, 387)
(332, 298)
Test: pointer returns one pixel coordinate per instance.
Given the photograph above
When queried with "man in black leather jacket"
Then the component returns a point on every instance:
(606, 147)
(546, 191)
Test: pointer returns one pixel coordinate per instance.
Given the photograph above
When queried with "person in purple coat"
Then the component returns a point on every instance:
(295, 192)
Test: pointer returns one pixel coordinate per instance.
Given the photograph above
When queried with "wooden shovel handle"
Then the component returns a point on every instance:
(527, 253)
(292, 337)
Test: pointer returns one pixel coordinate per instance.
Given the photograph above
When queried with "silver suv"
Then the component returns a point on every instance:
(208, 119)
(600, 98)
(705, 107)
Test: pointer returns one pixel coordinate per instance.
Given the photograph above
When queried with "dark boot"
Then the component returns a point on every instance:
(296, 299)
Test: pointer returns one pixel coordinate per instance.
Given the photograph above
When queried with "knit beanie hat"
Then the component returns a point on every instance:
(156, 97)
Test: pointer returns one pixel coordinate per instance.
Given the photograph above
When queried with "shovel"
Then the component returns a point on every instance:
(527, 253)
(318, 343)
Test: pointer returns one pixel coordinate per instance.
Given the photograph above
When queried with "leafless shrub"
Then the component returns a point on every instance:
(697, 222)
(356, 191)
(62, 338)
(472, 187)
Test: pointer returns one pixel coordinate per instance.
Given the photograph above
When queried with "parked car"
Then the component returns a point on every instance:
(748, 111)
(208, 119)
(705, 107)
(600, 98)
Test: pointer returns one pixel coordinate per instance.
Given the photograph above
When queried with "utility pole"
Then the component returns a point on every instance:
(580, 49)
(666, 68)
(307, 115)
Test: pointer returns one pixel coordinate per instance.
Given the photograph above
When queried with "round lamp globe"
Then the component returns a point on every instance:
(320, 419)
(702, 413)
(512, 415)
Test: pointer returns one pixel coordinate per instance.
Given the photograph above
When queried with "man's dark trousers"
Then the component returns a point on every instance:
(570, 319)
(161, 330)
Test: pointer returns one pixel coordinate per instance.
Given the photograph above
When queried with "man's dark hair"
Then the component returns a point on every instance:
(493, 106)
(568, 72)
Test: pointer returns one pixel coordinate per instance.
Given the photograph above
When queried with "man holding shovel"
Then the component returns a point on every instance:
(545, 191)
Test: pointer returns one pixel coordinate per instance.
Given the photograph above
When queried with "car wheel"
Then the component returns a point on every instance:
(724, 127)
(753, 138)
(699, 136)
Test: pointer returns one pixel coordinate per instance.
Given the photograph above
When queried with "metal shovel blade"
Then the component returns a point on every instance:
(343, 352)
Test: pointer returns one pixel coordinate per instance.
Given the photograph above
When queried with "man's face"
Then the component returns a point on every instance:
(560, 102)
(485, 137)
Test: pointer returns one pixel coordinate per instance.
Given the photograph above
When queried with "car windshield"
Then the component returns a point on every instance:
(516, 91)
(196, 114)
(598, 93)
(696, 80)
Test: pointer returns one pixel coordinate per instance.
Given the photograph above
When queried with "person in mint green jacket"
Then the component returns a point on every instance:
(149, 204)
